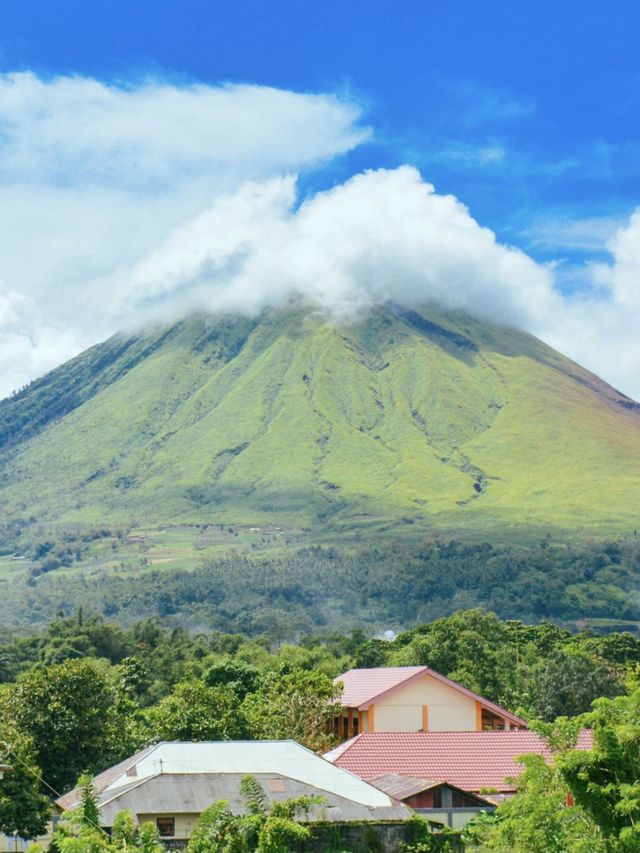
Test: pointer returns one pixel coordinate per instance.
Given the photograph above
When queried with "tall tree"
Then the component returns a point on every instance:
(70, 710)
(24, 809)
(605, 780)
(566, 683)
(294, 705)
(194, 711)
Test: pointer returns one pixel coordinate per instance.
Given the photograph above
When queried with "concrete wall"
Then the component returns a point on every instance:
(11, 844)
(453, 818)
(357, 837)
(360, 838)
(402, 709)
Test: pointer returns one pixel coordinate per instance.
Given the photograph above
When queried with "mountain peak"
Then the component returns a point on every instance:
(398, 415)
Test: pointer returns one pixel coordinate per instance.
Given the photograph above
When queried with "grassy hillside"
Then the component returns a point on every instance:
(429, 419)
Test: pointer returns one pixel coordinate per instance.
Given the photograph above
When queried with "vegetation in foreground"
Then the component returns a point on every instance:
(86, 693)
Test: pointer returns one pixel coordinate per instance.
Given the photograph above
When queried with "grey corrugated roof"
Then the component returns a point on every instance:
(284, 757)
(191, 793)
(104, 779)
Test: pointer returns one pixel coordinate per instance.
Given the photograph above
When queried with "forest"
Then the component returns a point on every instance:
(317, 588)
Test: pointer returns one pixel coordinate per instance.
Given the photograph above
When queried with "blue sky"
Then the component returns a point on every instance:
(526, 113)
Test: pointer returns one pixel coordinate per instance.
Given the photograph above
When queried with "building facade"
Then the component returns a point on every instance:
(411, 699)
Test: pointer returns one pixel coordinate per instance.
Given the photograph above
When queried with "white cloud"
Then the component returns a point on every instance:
(564, 232)
(381, 235)
(94, 175)
(120, 205)
(384, 235)
(76, 130)
(600, 328)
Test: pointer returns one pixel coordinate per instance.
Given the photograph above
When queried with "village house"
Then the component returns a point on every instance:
(439, 802)
(171, 783)
(411, 699)
(473, 765)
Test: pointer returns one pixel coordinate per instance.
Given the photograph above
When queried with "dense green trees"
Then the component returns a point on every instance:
(326, 588)
(605, 780)
(195, 711)
(537, 819)
(294, 705)
(86, 693)
(24, 808)
(71, 712)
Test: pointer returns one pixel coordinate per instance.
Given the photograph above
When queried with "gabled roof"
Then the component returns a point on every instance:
(402, 787)
(285, 757)
(469, 760)
(126, 770)
(192, 793)
(363, 687)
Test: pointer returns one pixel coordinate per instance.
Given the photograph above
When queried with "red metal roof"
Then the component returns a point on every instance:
(365, 686)
(468, 760)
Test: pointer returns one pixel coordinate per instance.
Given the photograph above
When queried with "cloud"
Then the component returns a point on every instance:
(481, 104)
(382, 235)
(123, 204)
(75, 130)
(598, 327)
(590, 234)
(93, 175)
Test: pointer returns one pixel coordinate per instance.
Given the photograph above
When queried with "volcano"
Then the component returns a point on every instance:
(400, 416)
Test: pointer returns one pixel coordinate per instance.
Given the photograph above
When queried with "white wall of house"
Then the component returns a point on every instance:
(401, 710)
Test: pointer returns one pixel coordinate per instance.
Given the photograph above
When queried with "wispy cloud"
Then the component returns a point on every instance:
(480, 104)
(564, 232)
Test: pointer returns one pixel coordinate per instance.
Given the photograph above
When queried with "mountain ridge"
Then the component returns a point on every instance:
(420, 416)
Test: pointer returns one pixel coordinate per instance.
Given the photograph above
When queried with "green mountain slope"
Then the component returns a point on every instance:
(432, 418)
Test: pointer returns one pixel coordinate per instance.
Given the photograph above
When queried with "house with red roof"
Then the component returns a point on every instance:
(412, 699)
(475, 762)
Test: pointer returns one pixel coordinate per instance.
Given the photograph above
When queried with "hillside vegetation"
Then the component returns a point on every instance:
(380, 587)
(430, 419)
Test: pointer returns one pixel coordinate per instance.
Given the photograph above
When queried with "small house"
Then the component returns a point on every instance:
(412, 699)
(170, 785)
(438, 802)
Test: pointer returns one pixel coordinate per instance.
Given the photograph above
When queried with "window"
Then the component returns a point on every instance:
(355, 726)
(437, 798)
(166, 826)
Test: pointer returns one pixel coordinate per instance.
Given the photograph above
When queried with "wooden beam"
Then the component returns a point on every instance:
(371, 718)
(350, 723)
(425, 718)
(478, 716)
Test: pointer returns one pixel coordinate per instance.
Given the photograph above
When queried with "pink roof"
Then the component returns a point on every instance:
(468, 760)
(363, 687)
